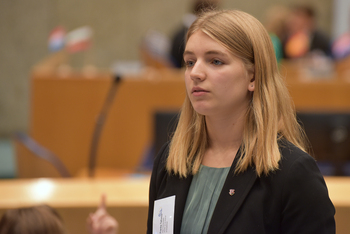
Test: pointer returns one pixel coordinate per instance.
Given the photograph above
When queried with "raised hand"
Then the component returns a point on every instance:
(101, 222)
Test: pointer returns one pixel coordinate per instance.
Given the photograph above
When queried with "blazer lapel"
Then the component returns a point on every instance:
(235, 190)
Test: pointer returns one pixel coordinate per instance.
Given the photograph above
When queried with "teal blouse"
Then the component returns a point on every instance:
(201, 200)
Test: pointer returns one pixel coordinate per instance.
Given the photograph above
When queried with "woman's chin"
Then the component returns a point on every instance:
(203, 111)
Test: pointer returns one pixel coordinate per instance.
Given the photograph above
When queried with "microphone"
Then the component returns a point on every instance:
(99, 124)
(43, 153)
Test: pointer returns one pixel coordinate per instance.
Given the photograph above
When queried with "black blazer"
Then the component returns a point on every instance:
(292, 200)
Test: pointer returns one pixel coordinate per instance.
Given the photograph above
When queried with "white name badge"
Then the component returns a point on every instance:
(163, 215)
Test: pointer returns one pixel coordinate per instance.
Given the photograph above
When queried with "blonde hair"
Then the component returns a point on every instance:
(41, 219)
(270, 116)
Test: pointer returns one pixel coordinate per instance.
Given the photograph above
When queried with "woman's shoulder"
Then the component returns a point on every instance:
(303, 190)
(298, 169)
(163, 153)
(292, 155)
(160, 160)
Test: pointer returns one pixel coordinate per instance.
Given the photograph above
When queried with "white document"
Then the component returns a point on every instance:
(163, 215)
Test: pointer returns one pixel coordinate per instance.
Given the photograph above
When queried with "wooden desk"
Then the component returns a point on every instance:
(317, 94)
(339, 192)
(74, 199)
(64, 111)
(127, 199)
(322, 96)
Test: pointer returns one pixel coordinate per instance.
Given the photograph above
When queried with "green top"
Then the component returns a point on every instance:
(201, 200)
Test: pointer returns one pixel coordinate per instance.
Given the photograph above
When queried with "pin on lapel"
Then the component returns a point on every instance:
(231, 192)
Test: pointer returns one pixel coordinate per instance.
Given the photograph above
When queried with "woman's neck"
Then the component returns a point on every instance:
(225, 137)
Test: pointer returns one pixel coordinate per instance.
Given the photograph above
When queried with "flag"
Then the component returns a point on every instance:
(79, 39)
(56, 39)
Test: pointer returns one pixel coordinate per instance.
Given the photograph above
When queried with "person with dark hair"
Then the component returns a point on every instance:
(178, 39)
(303, 35)
(41, 219)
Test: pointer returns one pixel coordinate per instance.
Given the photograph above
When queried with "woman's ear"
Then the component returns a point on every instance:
(251, 86)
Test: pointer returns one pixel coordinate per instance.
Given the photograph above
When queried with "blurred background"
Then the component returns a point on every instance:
(60, 106)
(118, 27)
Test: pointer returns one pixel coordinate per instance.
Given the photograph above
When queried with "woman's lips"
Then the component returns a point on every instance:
(197, 91)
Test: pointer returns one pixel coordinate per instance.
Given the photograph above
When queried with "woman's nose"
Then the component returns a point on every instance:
(198, 71)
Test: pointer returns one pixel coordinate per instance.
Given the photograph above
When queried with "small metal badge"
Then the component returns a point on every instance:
(231, 192)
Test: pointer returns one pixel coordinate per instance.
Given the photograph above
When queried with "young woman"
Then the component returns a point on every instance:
(237, 161)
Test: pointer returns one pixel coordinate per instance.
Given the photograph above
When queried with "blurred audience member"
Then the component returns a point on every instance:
(154, 49)
(303, 35)
(40, 219)
(43, 219)
(276, 24)
(178, 40)
(341, 46)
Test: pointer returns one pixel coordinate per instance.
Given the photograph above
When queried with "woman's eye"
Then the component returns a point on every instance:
(189, 63)
(217, 62)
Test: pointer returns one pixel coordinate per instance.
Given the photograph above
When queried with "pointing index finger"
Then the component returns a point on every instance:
(102, 205)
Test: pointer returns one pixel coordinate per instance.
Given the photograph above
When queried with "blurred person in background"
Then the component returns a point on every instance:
(41, 219)
(303, 35)
(341, 46)
(276, 25)
(178, 39)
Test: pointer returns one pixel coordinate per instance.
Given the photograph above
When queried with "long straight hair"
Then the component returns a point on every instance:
(270, 116)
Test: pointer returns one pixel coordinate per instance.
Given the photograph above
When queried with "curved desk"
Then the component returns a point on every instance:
(127, 199)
